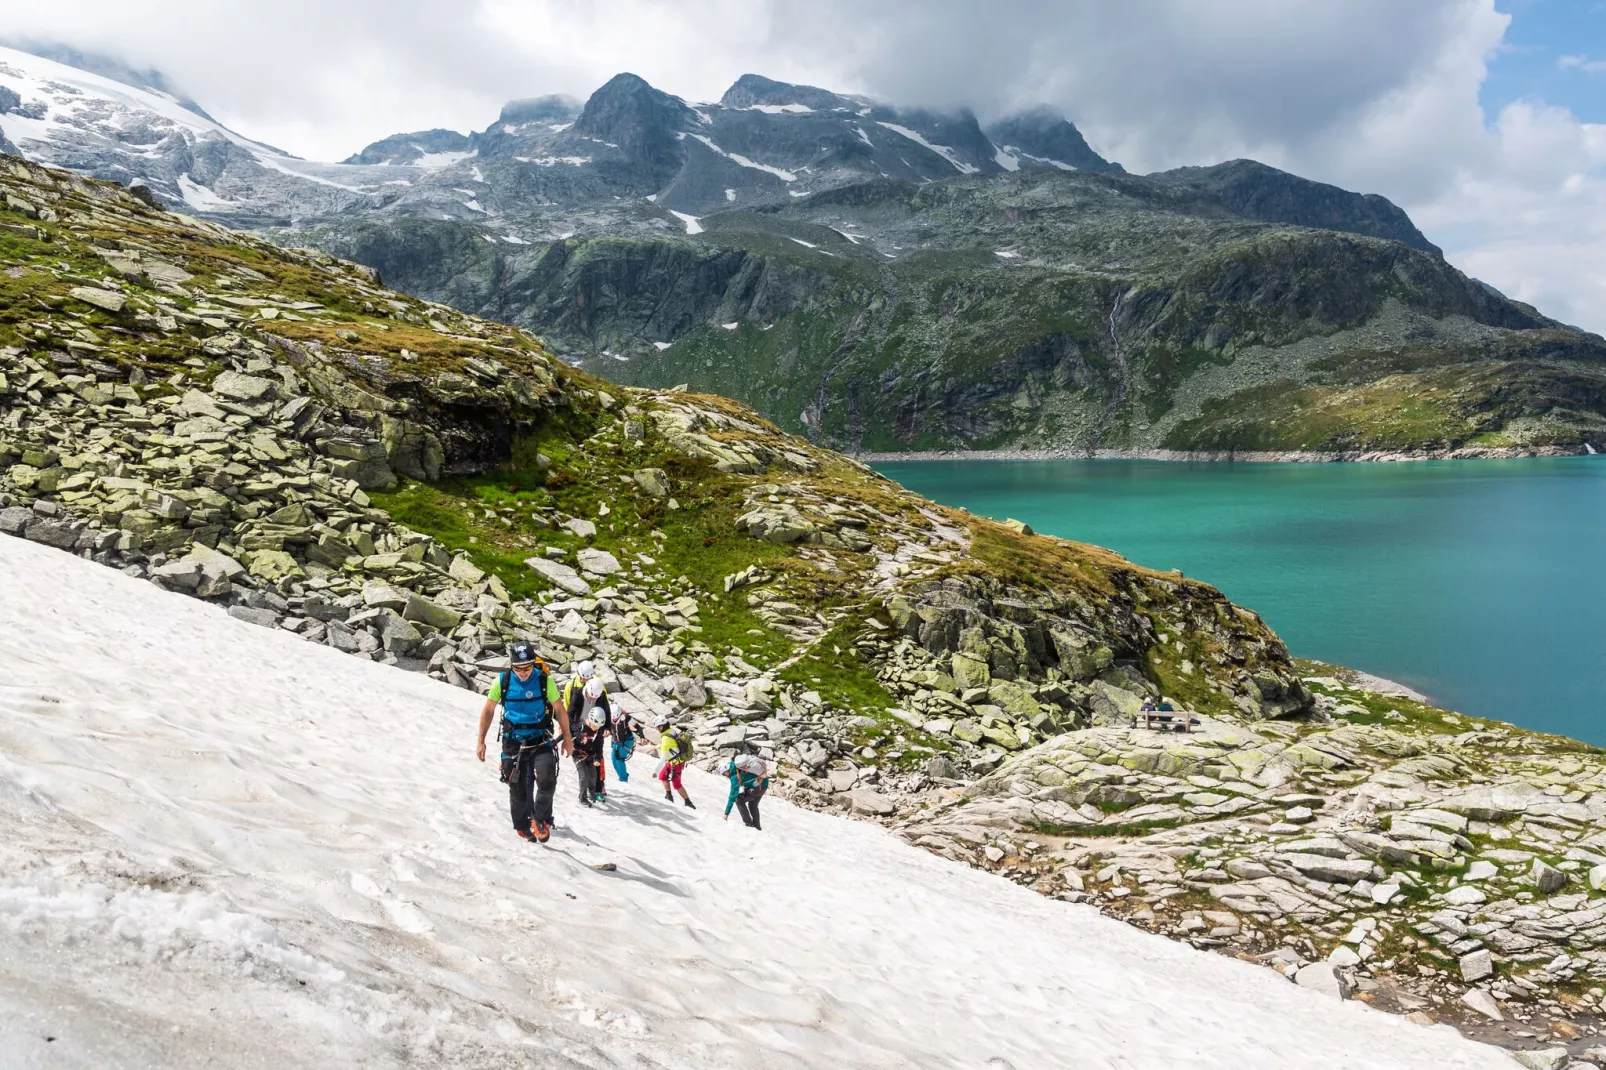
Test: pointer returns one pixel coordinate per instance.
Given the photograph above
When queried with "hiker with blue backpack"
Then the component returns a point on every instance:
(531, 708)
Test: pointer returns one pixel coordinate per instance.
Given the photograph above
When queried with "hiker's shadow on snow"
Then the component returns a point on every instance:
(673, 817)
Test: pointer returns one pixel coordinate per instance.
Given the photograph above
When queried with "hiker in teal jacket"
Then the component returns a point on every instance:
(749, 777)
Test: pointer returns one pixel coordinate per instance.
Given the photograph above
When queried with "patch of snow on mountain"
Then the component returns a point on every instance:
(514, 239)
(475, 171)
(692, 226)
(558, 128)
(554, 161)
(1005, 160)
(661, 346)
(201, 198)
(730, 326)
(854, 238)
(1007, 254)
(1061, 164)
(862, 135)
(473, 205)
(781, 109)
(224, 845)
(434, 161)
(738, 158)
(800, 241)
(730, 195)
(941, 150)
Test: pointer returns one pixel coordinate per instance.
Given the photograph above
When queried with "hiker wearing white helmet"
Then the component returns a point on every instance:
(584, 673)
(750, 779)
(674, 747)
(625, 731)
(591, 738)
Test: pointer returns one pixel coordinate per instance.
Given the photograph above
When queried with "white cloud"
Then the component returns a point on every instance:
(1369, 94)
(1581, 63)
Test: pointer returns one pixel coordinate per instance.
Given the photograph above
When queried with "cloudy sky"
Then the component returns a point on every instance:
(1485, 119)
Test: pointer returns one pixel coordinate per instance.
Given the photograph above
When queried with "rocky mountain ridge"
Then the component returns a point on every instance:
(885, 279)
(275, 432)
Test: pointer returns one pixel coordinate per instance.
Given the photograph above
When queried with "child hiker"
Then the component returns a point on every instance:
(674, 747)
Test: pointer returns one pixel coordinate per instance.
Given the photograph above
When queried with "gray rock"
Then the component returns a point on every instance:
(264, 618)
(14, 521)
(1477, 965)
(572, 630)
(242, 387)
(57, 533)
(583, 528)
(689, 691)
(1543, 1058)
(424, 611)
(341, 637)
(1337, 870)
(865, 801)
(105, 300)
(1324, 977)
(1483, 1003)
(396, 634)
(843, 777)
(813, 754)
(379, 595)
(185, 573)
(465, 571)
(559, 575)
(1546, 878)
(653, 481)
(597, 562)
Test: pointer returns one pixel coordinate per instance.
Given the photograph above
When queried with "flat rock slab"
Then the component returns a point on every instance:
(598, 562)
(558, 574)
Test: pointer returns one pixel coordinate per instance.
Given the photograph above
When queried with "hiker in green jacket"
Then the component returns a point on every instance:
(531, 707)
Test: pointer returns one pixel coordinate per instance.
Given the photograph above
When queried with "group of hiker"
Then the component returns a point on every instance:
(540, 721)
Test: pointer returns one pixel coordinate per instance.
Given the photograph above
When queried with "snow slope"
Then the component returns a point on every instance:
(222, 846)
(99, 126)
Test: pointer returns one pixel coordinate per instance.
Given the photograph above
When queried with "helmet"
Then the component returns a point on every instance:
(595, 718)
(661, 723)
(585, 670)
(727, 768)
(593, 689)
(522, 653)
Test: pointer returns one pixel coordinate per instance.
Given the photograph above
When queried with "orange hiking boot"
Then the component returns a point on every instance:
(525, 834)
(542, 831)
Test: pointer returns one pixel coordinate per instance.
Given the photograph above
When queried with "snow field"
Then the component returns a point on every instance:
(221, 845)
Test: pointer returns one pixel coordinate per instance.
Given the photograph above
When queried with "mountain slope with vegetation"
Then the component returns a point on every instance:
(274, 432)
(1197, 310)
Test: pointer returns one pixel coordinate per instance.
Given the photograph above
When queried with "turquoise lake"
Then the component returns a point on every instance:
(1481, 584)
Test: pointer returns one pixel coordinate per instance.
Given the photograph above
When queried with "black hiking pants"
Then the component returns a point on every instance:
(590, 770)
(531, 783)
(747, 806)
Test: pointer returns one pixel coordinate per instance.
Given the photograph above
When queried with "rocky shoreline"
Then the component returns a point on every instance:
(1464, 453)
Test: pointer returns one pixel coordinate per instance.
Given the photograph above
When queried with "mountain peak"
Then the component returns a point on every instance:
(1042, 137)
(755, 90)
(552, 108)
(1260, 191)
(642, 122)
